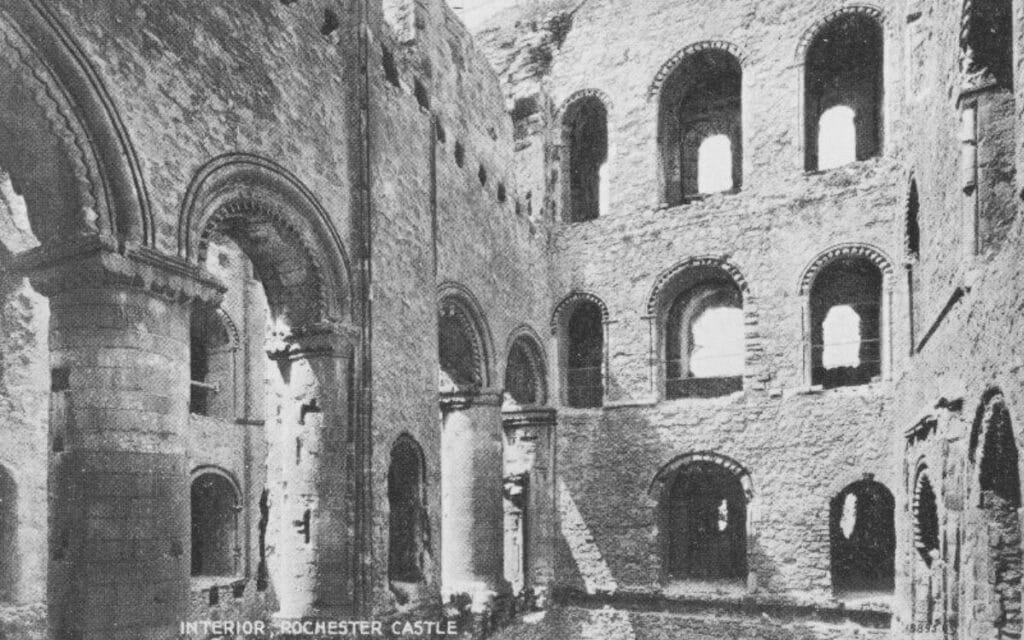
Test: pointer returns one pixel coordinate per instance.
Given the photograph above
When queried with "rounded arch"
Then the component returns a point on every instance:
(408, 524)
(525, 366)
(667, 472)
(570, 301)
(66, 147)
(300, 256)
(461, 319)
(847, 250)
(862, 537)
(670, 65)
(811, 31)
(654, 299)
(584, 94)
(212, 469)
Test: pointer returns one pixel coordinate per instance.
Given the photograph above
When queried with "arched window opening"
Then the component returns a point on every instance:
(837, 137)
(586, 139)
(1000, 501)
(458, 355)
(913, 230)
(926, 519)
(524, 373)
(212, 364)
(215, 507)
(714, 164)
(988, 41)
(408, 539)
(585, 356)
(844, 81)
(863, 539)
(704, 524)
(8, 537)
(705, 345)
(700, 126)
(846, 304)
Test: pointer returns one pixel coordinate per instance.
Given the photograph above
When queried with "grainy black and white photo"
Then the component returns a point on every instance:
(511, 319)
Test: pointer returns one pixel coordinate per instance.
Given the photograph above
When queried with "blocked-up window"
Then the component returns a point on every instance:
(8, 537)
(704, 515)
(407, 521)
(215, 544)
(846, 338)
(700, 126)
(844, 91)
(705, 349)
(586, 140)
(862, 537)
(584, 356)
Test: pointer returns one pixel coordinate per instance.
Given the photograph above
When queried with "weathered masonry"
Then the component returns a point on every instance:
(619, 320)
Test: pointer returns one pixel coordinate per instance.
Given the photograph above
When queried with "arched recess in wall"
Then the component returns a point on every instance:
(703, 513)
(697, 307)
(465, 346)
(213, 346)
(841, 57)
(848, 291)
(62, 140)
(408, 522)
(585, 155)
(9, 569)
(282, 228)
(216, 506)
(996, 493)
(580, 324)
(700, 121)
(862, 539)
(526, 379)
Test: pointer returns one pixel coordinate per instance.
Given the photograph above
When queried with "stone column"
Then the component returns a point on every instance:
(530, 452)
(119, 538)
(309, 475)
(472, 529)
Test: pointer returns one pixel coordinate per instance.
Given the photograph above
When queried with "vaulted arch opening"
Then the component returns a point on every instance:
(583, 355)
(525, 378)
(585, 139)
(862, 537)
(215, 536)
(703, 523)
(700, 126)
(408, 525)
(843, 84)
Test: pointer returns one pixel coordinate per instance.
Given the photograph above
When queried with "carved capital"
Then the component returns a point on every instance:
(321, 339)
(459, 400)
(526, 418)
(93, 262)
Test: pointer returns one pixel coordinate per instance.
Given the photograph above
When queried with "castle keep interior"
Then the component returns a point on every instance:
(555, 319)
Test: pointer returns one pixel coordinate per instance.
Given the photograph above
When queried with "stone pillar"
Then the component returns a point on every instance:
(530, 452)
(309, 475)
(119, 535)
(472, 529)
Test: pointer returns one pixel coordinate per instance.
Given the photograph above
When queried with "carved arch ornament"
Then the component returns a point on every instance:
(848, 250)
(670, 274)
(669, 66)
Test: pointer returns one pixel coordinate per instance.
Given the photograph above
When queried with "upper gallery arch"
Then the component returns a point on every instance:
(63, 142)
(283, 229)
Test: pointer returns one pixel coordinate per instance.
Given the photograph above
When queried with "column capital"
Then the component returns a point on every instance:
(98, 261)
(522, 417)
(463, 398)
(321, 339)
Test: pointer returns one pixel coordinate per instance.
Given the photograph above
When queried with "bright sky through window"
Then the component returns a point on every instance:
(718, 343)
(841, 338)
(848, 520)
(837, 137)
(714, 164)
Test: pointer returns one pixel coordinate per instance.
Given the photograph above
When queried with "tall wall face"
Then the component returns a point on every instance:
(448, 213)
(800, 446)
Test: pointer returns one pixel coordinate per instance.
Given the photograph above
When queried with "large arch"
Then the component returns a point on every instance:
(703, 513)
(65, 146)
(303, 264)
(526, 379)
(466, 346)
(995, 498)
